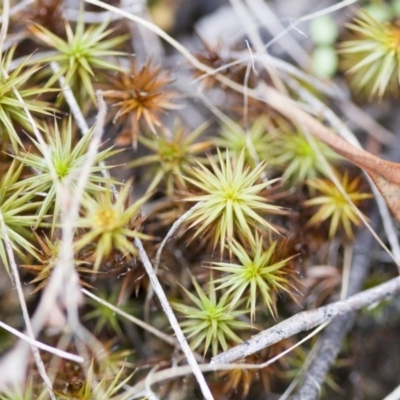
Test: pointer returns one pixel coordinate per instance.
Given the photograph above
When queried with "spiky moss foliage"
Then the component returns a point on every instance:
(212, 322)
(110, 223)
(231, 195)
(298, 156)
(109, 385)
(333, 205)
(295, 366)
(79, 57)
(258, 275)
(253, 141)
(240, 382)
(17, 210)
(46, 259)
(19, 393)
(140, 95)
(104, 317)
(107, 366)
(67, 159)
(173, 154)
(11, 109)
(372, 58)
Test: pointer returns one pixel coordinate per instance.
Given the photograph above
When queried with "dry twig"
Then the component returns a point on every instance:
(171, 232)
(307, 320)
(173, 321)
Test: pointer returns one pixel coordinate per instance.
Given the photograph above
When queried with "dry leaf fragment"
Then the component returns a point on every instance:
(385, 174)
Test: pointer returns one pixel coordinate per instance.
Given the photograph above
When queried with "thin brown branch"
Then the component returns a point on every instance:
(25, 314)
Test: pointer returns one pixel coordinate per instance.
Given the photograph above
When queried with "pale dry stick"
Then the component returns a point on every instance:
(15, 63)
(320, 109)
(12, 366)
(321, 358)
(308, 17)
(173, 321)
(12, 40)
(178, 371)
(175, 226)
(98, 17)
(353, 112)
(42, 346)
(132, 319)
(79, 118)
(54, 364)
(395, 395)
(148, 393)
(146, 43)
(329, 89)
(286, 394)
(71, 206)
(64, 282)
(64, 269)
(307, 320)
(171, 232)
(249, 68)
(73, 104)
(255, 38)
(262, 11)
(6, 239)
(346, 268)
(17, 283)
